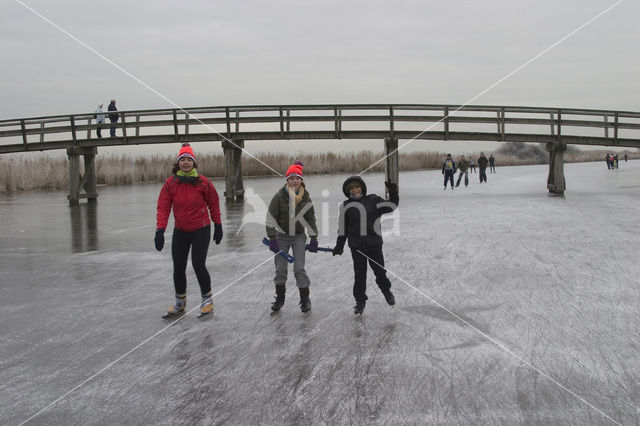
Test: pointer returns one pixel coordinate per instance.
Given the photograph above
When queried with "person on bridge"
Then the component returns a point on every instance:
(482, 165)
(359, 224)
(290, 212)
(193, 199)
(448, 170)
(113, 117)
(463, 165)
(492, 164)
(99, 116)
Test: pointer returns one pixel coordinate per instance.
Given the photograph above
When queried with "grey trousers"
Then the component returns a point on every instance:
(298, 243)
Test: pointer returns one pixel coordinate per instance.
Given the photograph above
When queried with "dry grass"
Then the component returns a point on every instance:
(28, 174)
(24, 174)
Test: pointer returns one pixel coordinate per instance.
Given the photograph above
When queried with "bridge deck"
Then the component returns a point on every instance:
(281, 122)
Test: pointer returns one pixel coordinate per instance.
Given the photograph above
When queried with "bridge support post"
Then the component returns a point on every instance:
(555, 181)
(77, 180)
(233, 170)
(392, 172)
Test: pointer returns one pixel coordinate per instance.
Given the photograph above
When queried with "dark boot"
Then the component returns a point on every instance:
(359, 308)
(389, 297)
(280, 291)
(305, 302)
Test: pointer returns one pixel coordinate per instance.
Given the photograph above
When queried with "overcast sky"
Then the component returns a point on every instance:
(207, 53)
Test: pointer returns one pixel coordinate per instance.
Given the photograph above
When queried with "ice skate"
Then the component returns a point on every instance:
(305, 302)
(389, 297)
(177, 308)
(206, 307)
(279, 302)
(359, 308)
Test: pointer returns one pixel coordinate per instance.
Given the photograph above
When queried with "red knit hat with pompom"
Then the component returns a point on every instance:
(186, 151)
(295, 169)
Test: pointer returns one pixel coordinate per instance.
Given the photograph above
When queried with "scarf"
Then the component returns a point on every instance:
(190, 177)
(296, 197)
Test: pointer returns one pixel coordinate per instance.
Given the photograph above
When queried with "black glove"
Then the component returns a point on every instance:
(392, 187)
(159, 239)
(339, 247)
(217, 233)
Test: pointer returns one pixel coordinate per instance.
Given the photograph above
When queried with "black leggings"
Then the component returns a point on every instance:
(198, 241)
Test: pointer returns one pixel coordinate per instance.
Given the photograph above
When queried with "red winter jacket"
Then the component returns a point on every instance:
(191, 204)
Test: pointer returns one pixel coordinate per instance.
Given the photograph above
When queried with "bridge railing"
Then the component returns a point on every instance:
(345, 121)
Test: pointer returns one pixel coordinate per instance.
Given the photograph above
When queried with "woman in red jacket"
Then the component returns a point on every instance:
(193, 199)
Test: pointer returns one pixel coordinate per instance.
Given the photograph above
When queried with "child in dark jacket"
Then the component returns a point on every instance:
(359, 224)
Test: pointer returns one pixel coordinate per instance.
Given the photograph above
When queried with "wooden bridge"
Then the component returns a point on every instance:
(232, 125)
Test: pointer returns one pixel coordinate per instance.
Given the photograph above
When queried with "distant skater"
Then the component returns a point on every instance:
(448, 170)
(290, 212)
(99, 116)
(472, 166)
(113, 117)
(195, 204)
(359, 224)
(482, 165)
(463, 166)
(625, 157)
(492, 164)
(608, 161)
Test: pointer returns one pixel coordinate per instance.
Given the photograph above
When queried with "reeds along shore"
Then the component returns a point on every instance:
(41, 172)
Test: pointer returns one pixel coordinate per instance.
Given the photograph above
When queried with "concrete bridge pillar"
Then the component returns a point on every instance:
(77, 180)
(392, 172)
(555, 181)
(233, 171)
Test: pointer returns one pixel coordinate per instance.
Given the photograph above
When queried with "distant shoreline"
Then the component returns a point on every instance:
(26, 174)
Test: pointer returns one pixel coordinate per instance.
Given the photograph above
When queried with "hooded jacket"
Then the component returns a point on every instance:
(359, 222)
(99, 115)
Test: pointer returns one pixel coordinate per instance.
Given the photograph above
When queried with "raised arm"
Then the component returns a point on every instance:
(388, 206)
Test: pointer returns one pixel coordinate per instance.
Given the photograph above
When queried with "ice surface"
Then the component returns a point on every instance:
(513, 307)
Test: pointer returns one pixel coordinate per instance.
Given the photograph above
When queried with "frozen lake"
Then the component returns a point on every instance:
(513, 307)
